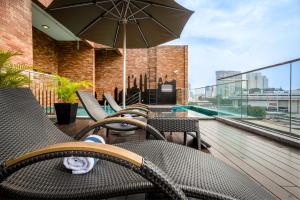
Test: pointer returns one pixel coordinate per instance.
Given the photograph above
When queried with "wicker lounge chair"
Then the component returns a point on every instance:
(97, 113)
(113, 104)
(127, 168)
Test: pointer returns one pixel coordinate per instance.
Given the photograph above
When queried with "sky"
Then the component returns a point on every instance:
(239, 35)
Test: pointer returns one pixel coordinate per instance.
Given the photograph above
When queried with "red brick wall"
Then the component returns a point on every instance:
(76, 64)
(64, 58)
(15, 28)
(109, 68)
(45, 56)
(45, 3)
(169, 58)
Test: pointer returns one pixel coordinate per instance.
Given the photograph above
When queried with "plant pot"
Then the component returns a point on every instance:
(66, 112)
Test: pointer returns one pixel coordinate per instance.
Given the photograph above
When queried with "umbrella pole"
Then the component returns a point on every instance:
(124, 65)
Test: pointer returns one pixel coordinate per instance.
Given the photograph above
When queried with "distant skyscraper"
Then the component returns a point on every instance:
(257, 80)
(230, 86)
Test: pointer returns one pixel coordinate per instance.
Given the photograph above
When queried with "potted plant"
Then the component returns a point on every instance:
(11, 75)
(66, 109)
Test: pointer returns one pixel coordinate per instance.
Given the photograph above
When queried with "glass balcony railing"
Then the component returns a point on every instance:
(268, 97)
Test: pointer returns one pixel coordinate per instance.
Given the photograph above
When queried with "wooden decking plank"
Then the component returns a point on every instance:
(278, 155)
(275, 189)
(293, 190)
(253, 163)
(247, 154)
(220, 156)
(262, 141)
(289, 167)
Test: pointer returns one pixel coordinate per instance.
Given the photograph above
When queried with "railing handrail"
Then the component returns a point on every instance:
(38, 73)
(219, 84)
(261, 68)
(135, 98)
(132, 96)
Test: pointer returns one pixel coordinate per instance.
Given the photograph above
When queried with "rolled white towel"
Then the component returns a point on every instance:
(82, 165)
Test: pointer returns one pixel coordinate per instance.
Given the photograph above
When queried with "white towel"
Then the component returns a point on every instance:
(82, 165)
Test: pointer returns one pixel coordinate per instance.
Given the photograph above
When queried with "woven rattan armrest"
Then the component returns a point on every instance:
(137, 108)
(142, 125)
(139, 105)
(110, 153)
(131, 112)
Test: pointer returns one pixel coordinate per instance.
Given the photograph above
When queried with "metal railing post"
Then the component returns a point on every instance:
(140, 97)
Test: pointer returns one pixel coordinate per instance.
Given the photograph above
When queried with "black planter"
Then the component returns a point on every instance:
(66, 112)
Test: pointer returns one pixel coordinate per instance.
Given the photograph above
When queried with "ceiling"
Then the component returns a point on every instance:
(56, 30)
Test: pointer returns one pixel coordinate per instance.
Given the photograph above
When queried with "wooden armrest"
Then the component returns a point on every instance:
(136, 108)
(139, 105)
(123, 112)
(117, 155)
(105, 149)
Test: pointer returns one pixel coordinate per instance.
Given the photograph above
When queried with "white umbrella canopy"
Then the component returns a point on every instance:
(122, 23)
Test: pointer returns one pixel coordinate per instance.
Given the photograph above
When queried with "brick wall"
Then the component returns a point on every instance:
(172, 64)
(45, 3)
(108, 68)
(64, 58)
(15, 28)
(105, 71)
(45, 56)
(76, 64)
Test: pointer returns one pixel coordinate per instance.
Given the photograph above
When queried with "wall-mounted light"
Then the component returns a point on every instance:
(45, 26)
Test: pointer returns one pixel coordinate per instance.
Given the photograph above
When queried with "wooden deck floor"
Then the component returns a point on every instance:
(272, 165)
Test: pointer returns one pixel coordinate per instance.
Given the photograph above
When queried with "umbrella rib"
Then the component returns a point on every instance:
(159, 23)
(111, 18)
(126, 10)
(96, 20)
(139, 18)
(133, 14)
(138, 25)
(106, 10)
(122, 10)
(77, 5)
(116, 35)
(163, 6)
(113, 2)
(143, 36)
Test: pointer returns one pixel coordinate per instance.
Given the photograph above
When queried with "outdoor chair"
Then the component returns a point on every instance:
(32, 147)
(97, 113)
(113, 104)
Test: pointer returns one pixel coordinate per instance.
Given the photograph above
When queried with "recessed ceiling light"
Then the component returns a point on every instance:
(45, 26)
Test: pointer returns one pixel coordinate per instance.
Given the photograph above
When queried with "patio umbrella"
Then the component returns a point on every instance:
(122, 23)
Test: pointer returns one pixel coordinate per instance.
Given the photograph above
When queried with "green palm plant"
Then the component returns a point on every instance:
(66, 88)
(11, 74)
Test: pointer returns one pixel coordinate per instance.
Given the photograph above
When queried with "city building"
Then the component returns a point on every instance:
(257, 81)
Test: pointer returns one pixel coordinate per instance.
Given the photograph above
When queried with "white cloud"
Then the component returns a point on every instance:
(239, 35)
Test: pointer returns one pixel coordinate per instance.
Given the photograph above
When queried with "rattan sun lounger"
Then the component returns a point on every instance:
(113, 104)
(153, 166)
(97, 113)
